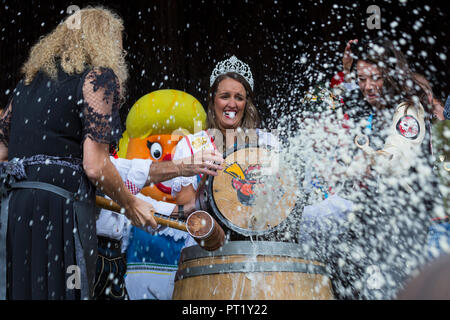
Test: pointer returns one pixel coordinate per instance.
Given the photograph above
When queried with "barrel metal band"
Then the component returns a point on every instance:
(250, 267)
(247, 248)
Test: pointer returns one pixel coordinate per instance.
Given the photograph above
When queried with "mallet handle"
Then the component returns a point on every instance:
(160, 219)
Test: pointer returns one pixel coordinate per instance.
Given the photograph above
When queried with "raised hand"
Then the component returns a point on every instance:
(347, 60)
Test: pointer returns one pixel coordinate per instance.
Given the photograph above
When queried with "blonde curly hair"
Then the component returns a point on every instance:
(95, 43)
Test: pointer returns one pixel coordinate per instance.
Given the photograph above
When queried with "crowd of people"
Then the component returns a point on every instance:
(57, 130)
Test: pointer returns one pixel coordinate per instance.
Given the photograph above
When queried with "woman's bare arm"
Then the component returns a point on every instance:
(205, 163)
(103, 174)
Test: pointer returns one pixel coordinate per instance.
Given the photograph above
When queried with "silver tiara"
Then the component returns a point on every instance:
(232, 64)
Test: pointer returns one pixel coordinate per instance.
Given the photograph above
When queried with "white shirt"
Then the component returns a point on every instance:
(406, 134)
(134, 174)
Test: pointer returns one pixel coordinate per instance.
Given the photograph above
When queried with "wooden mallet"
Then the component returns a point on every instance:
(200, 224)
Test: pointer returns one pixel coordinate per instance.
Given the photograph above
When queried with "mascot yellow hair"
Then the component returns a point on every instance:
(155, 124)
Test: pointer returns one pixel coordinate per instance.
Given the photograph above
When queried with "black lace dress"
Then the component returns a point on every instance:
(48, 120)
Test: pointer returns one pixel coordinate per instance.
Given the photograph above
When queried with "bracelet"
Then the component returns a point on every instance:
(181, 211)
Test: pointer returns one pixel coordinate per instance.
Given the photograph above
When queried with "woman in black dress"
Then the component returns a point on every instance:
(55, 134)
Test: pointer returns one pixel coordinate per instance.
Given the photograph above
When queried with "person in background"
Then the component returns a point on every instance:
(392, 116)
(447, 109)
(432, 282)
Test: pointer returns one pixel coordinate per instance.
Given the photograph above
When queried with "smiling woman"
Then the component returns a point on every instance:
(370, 81)
(229, 103)
(398, 128)
(230, 110)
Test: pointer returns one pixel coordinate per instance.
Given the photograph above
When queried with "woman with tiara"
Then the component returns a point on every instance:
(231, 116)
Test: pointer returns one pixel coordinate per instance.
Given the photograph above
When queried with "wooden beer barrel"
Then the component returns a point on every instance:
(244, 270)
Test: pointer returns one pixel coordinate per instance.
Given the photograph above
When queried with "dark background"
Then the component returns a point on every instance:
(289, 45)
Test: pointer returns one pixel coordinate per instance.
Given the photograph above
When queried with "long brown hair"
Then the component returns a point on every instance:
(250, 120)
(399, 82)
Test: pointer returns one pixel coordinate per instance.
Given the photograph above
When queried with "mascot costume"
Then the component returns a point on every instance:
(154, 125)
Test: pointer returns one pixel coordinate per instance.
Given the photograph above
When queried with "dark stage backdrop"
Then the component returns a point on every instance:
(289, 45)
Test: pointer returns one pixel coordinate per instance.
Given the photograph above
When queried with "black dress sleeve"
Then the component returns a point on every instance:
(100, 109)
(5, 123)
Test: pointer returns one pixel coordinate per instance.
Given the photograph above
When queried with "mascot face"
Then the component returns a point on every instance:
(154, 126)
(156, 148)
